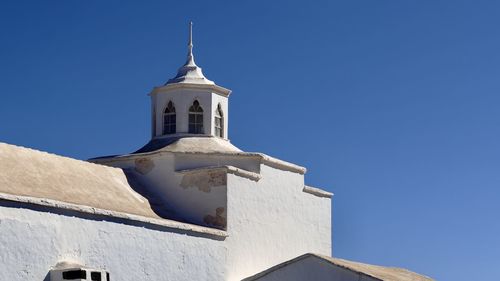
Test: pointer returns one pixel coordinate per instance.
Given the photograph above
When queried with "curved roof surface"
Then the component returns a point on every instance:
(34, 173)
(28, 175)
(189, 144)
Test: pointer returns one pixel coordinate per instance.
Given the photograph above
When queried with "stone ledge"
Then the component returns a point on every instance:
(96, 211)
(228, 169)
(317, 192)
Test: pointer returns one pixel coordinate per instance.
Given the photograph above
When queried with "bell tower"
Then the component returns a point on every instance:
(189, 105)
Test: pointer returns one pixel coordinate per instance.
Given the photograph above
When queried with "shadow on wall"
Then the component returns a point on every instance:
(95, 217)
(158, 205)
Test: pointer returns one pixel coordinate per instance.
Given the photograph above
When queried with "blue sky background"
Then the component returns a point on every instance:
(391, 105)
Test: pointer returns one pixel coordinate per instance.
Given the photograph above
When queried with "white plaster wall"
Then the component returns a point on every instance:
(183, 99)
(187, 199)
(312, 268)
(33, 241)
(191, 203)
(272, 221)
(269, 221)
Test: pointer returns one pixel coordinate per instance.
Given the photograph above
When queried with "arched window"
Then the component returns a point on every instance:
(196, 118)
(169, 119)
(219, 122)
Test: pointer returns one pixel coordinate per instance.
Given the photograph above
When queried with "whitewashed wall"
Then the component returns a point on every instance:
(269, 221)
(191, 197)
(33, 241)
(272, 221)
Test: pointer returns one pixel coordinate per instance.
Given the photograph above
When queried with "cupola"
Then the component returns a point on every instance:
(189, 104)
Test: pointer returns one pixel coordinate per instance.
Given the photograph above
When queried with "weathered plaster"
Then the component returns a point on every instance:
(219, 220)
(227, 169)
(204, 180)
(144, 165)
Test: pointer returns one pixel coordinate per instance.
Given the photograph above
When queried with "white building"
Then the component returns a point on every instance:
(188, 205)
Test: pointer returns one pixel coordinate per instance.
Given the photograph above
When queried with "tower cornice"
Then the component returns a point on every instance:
(187, 86)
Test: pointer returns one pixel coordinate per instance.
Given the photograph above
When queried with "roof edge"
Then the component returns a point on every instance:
(299, 258)
(97, 211)
(276, 267)
(228, 169)
(172, 86)
(317, 191)
(265, 159)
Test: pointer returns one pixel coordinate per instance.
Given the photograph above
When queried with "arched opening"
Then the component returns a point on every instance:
(169, 120)
(196, 118)
(219, 122)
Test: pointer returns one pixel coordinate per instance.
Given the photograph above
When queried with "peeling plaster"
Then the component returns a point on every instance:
(218, 220)
(205, 180)
(226, 168)
(144, 165)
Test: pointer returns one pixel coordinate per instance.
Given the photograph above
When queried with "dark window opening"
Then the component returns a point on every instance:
(195, 118)
(95, 276)
(74, 274)
(169, 120)
(107, 276)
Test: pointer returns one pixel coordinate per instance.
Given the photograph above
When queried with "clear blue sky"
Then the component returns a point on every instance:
(391, 105)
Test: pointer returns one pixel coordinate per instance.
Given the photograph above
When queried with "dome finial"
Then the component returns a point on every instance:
(190, 44)
(190, 72)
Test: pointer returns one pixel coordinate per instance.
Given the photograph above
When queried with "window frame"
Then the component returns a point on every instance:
(195, 118)
(169, 119)
(219, 122)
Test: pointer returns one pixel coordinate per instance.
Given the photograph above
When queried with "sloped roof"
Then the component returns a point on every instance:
(382, 273)
(27, 175)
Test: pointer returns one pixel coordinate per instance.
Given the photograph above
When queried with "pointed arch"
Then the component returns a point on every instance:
(169, 119)
(219, 122)
(196, 118)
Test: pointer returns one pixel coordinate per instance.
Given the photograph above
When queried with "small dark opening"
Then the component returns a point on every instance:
(75, 274)
(95, 276)
(107, 276)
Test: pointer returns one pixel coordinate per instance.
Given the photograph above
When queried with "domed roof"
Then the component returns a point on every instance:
(204, 144)
(190, 73)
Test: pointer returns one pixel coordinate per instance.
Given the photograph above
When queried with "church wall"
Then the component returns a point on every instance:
(34, 241)
(273, 220)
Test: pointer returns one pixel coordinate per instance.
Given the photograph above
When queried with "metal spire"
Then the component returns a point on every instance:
(190, 37)
(190, 57)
